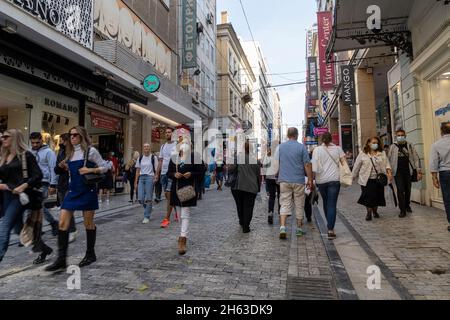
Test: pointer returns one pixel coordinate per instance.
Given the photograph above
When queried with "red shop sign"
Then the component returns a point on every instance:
(105, 121)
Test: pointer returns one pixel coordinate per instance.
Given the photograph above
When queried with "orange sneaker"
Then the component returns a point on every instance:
(165, 223)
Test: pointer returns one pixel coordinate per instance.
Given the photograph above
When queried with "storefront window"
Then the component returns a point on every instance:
(136, 128)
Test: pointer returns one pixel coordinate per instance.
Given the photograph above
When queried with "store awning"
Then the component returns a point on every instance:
(35, 31)
(350, 30)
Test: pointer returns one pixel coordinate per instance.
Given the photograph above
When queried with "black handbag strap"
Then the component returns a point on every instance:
(86, 155)
(373, 164)
(406, 155)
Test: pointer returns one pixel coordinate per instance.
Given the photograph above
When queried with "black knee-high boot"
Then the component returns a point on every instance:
(63, 245)
(90, 257)
(39, 244)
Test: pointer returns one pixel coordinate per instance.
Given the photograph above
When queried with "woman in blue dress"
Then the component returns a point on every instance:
(81, 196)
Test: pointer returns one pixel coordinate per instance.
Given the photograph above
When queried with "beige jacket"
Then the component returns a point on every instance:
(363, 166)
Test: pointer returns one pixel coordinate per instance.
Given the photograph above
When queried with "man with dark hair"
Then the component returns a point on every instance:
(440, 166)
(46, 160)
(405, 163)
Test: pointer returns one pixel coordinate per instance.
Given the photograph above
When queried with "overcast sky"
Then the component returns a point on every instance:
(280, 26)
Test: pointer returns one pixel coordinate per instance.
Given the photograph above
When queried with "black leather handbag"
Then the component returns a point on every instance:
(382, 179)
(232, 178)
(91, 178)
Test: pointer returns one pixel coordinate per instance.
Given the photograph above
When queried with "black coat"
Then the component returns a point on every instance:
(63, 179)
(195, 169)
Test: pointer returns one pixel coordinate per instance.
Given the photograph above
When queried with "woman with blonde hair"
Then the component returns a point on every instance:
(373, 172)
(81, 159)
(20, 177)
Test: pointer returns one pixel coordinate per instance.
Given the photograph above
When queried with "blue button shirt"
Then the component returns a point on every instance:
(292, 156)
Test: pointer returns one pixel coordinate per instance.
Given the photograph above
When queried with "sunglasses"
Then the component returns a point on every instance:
(74, 135)
(4, 137)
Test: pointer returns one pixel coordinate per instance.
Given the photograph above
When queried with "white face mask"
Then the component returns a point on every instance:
(374, 146)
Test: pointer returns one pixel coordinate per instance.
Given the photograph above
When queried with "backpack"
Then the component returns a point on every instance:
(153, 161)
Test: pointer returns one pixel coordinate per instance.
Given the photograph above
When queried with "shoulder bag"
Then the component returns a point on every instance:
(345, 175)
(232, 178)
(382, 179)
(91, 178)
(186, 193)
(414, 175)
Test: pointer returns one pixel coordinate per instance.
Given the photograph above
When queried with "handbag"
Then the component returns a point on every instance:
(91, 178)
(26, 236)
(414, 175)
(232, 178)
(186, 193)
(382, 179)
(345, 175)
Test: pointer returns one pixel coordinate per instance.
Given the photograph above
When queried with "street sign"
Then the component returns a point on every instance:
(151, 83)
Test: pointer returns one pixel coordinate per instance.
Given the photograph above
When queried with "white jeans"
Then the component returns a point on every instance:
(185, 216)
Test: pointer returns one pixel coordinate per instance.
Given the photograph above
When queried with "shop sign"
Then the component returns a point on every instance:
(151, 83)
(348, 85)
(106, 121)
(60, 105)
(320, 131)
(442, 111)
(189, 34)
(311, 143)
(116, 21)
(23, 66)
(327, 76)
(156, 135)
(312, 79)
(73, 18)
(115, 104)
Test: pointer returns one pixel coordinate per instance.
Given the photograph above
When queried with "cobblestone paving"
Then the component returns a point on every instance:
(138, 261)
(416, 249)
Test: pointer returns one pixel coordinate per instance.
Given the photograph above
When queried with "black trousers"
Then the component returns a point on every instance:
(158, 189)
(274, 191)
(308, 207)
(245, 202)
(132, 190)
(403, 182)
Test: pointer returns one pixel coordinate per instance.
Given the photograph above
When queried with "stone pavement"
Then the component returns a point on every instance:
(414, 252)
(137, 261)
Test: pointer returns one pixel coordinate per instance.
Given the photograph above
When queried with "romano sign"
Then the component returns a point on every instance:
(189, 34)
(348, 85)
(72, 18)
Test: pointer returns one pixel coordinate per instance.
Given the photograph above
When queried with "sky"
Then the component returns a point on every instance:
(280, 26)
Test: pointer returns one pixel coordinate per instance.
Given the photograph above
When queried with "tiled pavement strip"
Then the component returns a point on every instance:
(138, 261)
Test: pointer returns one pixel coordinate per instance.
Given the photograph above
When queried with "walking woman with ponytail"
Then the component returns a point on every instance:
(20, 177)
(82, 159)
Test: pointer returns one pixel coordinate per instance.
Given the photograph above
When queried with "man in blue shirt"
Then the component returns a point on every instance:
(294, 165)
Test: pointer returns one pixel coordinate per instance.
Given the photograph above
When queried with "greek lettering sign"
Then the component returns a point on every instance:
(189, 34)
(348, 85)
(73, 18)
(312, 78)
(327, 74)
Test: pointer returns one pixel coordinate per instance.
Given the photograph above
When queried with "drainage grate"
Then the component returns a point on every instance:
(310, 289)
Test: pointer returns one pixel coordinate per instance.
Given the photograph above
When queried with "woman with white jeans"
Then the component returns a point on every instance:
(145, 177)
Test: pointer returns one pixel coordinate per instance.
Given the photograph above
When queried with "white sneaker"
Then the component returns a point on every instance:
(73, 236)
(100, 201)
(145, 221)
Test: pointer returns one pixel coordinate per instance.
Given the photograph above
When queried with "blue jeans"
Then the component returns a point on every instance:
(330, 192)
(13, 212)
(444, 178)
(145, 194)
(47, 215)
(166, 183)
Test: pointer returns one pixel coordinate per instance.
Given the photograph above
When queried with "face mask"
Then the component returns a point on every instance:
(374, 146)
(401, 139)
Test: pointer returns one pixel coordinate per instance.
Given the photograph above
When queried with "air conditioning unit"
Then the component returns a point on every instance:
(210, 18)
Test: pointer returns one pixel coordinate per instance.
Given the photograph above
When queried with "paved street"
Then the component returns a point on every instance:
(138, 261)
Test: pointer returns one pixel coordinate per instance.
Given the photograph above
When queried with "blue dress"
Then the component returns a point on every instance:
(81, 196)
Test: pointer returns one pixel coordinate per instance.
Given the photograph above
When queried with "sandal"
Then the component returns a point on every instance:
(331, 235)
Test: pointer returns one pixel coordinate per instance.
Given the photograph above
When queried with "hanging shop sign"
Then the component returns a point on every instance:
(348, 85)
(73, 18)
(327, 74)
(312, 79)
(151, 83)
(320, 131)
(116, 21)
(105, 121)
(442, 111)
(25, 67)
(189, 34)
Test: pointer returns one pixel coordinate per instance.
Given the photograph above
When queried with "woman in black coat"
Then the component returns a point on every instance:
(184, 172)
